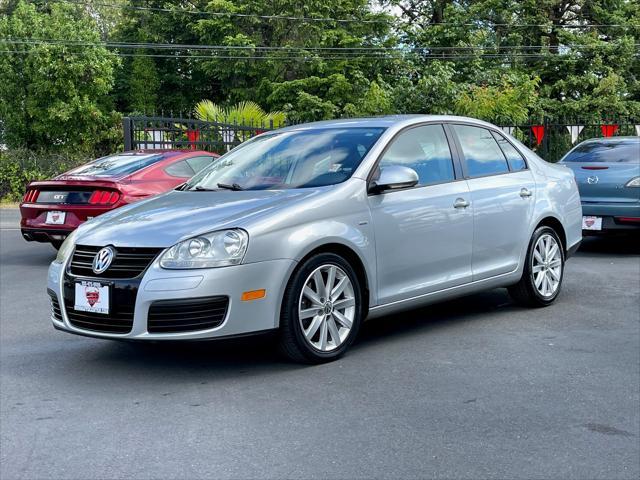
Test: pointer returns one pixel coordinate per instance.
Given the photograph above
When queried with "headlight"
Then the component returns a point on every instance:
(66, 248)
(215, 249)
(634, 182)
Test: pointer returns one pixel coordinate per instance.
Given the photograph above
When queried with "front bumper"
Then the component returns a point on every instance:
(157, 284)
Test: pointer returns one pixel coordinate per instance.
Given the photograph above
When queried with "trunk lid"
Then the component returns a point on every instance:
(73, 192)
(601, 182)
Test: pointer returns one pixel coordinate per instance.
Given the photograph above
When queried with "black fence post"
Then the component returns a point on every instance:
(127, 131)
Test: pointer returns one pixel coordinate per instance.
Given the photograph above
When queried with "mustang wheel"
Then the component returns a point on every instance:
(543, 271)
(321, 310)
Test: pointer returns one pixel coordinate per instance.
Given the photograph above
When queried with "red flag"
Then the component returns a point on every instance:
(608, 130)
(193, 136)
(538, 132)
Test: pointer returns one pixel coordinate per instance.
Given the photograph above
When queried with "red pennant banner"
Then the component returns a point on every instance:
(609, 130)
(193, 136)
(538, 132)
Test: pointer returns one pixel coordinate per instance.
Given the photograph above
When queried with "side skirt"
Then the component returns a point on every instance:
(503, 280)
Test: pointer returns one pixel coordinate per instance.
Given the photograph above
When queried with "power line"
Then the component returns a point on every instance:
(445, 56)
(339, 20)
(353, 50)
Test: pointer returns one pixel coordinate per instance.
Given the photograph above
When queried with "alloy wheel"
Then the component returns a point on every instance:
(547, 265)
(327, 308)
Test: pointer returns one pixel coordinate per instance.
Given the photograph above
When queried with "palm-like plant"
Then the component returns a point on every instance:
(245, 113)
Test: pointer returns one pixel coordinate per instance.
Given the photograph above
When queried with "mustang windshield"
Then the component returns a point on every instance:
(294, 159)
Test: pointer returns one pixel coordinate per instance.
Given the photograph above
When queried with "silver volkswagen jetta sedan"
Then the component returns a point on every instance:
(313, 228)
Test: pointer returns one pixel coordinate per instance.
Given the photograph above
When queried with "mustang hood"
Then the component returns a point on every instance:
(169, 218)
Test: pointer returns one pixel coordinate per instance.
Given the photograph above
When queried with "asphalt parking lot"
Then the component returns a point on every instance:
(473, 388)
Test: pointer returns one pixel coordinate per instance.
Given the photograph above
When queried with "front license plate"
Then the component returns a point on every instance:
(92, 297)
(55, 218)
(592, 223)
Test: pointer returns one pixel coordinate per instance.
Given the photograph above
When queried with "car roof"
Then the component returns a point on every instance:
(168, 153)
(384, 121)
(612, 140)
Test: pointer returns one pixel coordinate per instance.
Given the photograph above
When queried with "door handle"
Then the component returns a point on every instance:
(525, 192)
(461, 203)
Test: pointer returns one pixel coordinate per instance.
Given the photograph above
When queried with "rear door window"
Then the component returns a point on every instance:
(481, 151)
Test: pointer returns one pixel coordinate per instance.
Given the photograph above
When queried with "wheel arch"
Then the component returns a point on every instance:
(556, 224)
(354, 260)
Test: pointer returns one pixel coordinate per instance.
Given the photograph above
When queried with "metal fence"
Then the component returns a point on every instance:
(550, 138)
(187, 133)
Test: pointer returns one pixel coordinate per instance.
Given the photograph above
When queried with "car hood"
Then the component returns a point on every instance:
(167, 219)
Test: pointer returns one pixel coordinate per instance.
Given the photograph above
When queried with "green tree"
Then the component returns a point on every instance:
(143, 85)
(51, 95)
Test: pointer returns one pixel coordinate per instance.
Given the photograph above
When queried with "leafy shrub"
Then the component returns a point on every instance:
(20, 166)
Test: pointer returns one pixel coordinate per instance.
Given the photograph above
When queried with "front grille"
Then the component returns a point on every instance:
(127, 263)
(56, 313)
(123, 295)
(187, 315)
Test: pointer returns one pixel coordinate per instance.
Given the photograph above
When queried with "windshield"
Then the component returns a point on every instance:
(627, 151)
(294, 159)
(117, 165)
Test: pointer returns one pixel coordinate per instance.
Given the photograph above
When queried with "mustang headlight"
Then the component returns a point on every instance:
(66, 248)
(215, 249)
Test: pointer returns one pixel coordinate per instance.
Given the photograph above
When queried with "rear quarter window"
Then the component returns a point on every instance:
(180, 169)
(198, 163)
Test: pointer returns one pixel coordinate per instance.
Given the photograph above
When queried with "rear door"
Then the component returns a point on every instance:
(502, 195)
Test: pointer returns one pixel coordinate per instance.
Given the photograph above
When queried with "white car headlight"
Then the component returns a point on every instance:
(215, 249)
(634, 182)
(66, 248)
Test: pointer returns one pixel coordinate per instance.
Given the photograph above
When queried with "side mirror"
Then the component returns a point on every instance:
(394, 177)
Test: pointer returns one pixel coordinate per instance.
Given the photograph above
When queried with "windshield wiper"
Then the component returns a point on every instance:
(198, 188)
(233, 186)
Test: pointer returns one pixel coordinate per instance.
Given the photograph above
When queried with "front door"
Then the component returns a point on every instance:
(423, 234)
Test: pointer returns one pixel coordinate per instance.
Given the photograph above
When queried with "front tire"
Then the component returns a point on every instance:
(543, 270)
(321, 310)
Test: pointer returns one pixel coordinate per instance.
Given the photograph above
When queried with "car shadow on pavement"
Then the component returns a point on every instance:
(594, 246)
(436, 316)
(258, 355)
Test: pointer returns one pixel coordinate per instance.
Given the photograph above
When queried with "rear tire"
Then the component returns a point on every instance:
(321, 310)
(541, 280)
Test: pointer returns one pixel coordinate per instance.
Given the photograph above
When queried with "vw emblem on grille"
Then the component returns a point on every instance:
(592, 180)
(103, 259)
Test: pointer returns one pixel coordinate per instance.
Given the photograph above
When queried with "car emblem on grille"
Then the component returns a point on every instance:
(592, 180)
(103, 259)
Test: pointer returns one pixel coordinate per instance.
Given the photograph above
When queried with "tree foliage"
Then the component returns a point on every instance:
(499, 60)
(50, 97)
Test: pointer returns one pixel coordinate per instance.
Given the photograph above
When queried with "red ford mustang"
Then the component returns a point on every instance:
(52, 209)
